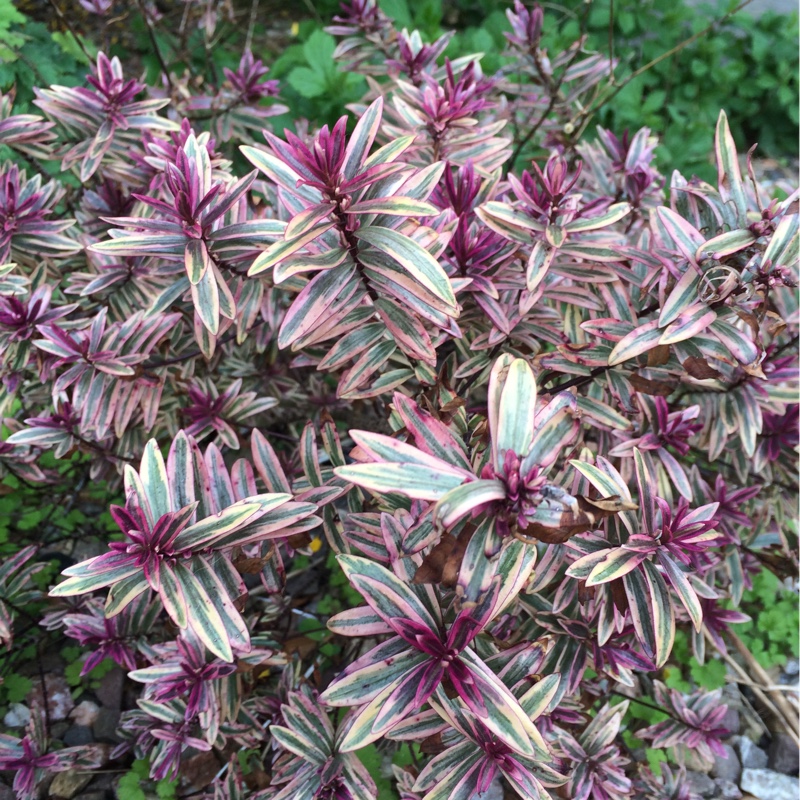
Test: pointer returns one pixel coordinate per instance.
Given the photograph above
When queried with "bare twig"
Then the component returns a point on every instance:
(156, 49)
(68, 24)
(611, 41)
(554, 90)
(155, 364)
(772, 688)
(788, 723)
(788, 714)
(586, 115)
(248, 42)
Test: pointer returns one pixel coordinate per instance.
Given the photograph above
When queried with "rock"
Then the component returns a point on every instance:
(727, 790)
(792, 667)
(101, 795)
(104, 783)
(85, 713)
(766, 784)
(751, 755)
(43, 786)
(732, 721)
(784, 755)
(109, 692)
(59, 698)
(67, 784)
(78, 735)
(18, 716)
(201, 769)
(105, 726)
(494, 792)
(694, 762)
(728, 767)
(58, 729)
(700, 784)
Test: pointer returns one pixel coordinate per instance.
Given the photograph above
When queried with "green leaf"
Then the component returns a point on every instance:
(361, 140)
(613, 214)
(204, 619)
(412, 480)
(691, 322)
(373, 761)
(205, 296)
(412, 257)
(318, 50)
(681, 297)
(17, 687)
(663, 614)
(728, 173)
(307, 82)
(196, 260)
(394, 206)
(153, 473)
(638, 341)
(385, 592)
(538, 263)
(686, 237)
(203, 533)
(458, 502)
(514, 430)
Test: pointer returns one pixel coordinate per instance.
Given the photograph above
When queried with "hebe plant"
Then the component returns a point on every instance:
(540, 420)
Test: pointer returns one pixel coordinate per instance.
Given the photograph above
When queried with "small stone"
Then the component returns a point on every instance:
(109, 692)
(67, 784)
(751, 755)
(700, 784)
(78, 735)
(494, 792)
(792, 667)
(105, 726)
(732, 721)
(784, 755)
(766, 784)
(59, 697)
(18, 716)
(694, 762)
(727, 790)
(201, 769)
(85, 713)
(727, 767)
(58, 729)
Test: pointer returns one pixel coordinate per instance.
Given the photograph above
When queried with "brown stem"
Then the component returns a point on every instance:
(68, 24)
(154, 42)
(772, 707)
(585, 116)
(554, 91)
(194, 353)
(787, 714)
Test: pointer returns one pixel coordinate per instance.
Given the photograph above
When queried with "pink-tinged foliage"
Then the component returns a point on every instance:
(696, 723)
(178, 541)
(599, 770)
(100, 119)
(540, 415)
(25, 208)
(114, 637)
(30, 758)
(16, 589)
(312, 763)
